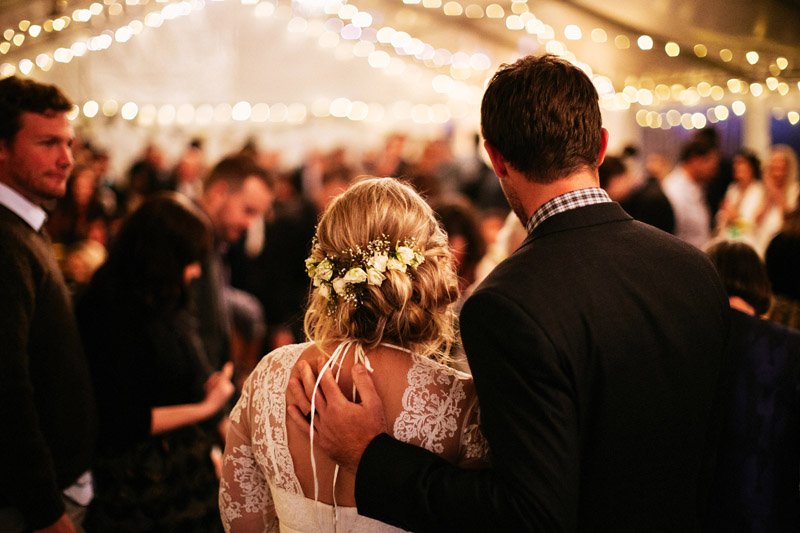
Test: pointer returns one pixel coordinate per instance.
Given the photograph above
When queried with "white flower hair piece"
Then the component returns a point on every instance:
(347, 275)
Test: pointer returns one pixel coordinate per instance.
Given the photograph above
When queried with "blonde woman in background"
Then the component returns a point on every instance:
(781, 189)
(383, 291)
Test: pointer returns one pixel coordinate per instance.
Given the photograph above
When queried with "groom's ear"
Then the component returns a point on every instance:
(499, 163)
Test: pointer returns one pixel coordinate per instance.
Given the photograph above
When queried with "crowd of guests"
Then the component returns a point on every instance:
(183, 277)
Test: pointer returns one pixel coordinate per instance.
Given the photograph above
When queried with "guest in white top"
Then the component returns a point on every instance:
(736, 218)
(684, 187)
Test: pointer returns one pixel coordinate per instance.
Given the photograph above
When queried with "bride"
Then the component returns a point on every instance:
(383, 289)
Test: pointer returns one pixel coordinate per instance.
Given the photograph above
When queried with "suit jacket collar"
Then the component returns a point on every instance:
(580, 217)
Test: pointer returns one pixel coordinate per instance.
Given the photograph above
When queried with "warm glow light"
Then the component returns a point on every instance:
(738, 108)
(25, 66)
(379, 59)
(726, 55)
(793, 116)
(573, 32)
(474, 11)
(622, 42)
(645, 42)
(110, 108)
(166, 114)
(782, 63)
(752, 57)
(599, 35)
(700, 50)
(90, 109)
(772, 83)
(495, 11)
(241, 111)
(756, 89)
(129, 111)
(721, 112)
(672, 49)
(453, 9)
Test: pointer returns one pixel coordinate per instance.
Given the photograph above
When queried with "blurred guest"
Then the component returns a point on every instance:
(237, 193)
(783, 266)
(79, 214)
(460, 222)
(757, 475)
(736, 217)
(781, 190)
(390, 160)
(46, 405)
(615, 178)
(647, 202)
(187, 176)
(154, 385)
(685, 189)
(275, 273)
(479, 182)
(722, 177)
(334, 182)
(81, 261)
(146, 176)
(508, 239)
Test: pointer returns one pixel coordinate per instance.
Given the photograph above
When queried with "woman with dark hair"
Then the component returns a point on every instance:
(156, 394)
(736, 217)
(757, 473)
(79, 215)
(783, 267)
(460, 221)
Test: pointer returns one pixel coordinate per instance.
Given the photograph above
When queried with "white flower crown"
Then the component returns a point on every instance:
(347, 275)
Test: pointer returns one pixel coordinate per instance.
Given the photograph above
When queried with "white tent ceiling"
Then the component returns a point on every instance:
(305, 64)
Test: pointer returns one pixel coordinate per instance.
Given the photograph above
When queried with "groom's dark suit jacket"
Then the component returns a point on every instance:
(595, 350)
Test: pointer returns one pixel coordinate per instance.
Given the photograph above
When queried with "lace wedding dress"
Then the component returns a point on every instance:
(260, 491)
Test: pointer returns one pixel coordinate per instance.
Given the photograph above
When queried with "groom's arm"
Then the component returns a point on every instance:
(529, 417)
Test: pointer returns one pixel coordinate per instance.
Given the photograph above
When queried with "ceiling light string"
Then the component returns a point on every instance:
(155, 18)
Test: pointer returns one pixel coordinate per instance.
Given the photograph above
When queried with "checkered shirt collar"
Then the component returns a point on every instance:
(565, 202)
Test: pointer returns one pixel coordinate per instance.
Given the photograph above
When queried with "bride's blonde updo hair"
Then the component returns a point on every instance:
(412, 309)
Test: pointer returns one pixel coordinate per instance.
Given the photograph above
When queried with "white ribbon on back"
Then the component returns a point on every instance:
(336, 359)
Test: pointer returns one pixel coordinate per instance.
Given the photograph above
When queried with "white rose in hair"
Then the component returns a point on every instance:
(374, 277)
(340, 286)
(405, 254)
(378, 262)
(311, 266)
(418, 259)
(325, 291)
(394, 264)
(324, 270)
(355, 275)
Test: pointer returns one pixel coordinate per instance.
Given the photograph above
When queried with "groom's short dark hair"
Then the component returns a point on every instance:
(542, 115)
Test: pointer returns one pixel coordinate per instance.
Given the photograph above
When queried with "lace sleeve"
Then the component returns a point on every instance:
(474, 449)
(245, 500)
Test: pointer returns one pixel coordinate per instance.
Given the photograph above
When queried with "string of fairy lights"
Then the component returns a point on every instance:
(457, 75)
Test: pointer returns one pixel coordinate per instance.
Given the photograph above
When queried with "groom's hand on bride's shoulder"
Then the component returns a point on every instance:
(342, 428)
(298, 395)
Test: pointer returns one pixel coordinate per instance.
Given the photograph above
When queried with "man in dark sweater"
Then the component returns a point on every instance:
(46, 404)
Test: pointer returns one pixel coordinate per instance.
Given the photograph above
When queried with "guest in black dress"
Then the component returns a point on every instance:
(757, 475)
(156, 394)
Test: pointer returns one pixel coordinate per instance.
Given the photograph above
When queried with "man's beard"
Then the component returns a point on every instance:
(514, 202)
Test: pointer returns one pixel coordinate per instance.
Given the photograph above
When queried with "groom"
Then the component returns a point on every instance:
(595, 350)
